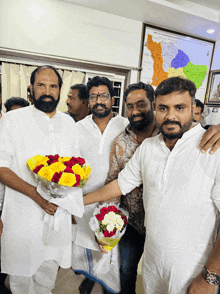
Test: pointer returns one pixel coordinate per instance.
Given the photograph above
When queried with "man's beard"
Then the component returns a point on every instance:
(142, 124)
(177, 135)
(45, 106)
(101, 114)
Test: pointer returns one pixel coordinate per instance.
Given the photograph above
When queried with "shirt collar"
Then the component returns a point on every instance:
(188, 134)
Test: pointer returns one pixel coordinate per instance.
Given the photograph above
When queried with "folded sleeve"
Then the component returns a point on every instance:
(131, 176)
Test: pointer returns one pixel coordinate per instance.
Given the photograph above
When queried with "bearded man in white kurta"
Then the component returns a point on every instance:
(181, 193)
(97, 132)
(39, 129)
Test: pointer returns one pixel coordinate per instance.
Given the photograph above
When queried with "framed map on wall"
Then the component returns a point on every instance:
(166, 53)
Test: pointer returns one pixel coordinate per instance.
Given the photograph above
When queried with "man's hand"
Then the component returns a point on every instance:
(74, 222)
(211, 138)
(1, 226)
(49, 208)
(200, 286)
(101, 246)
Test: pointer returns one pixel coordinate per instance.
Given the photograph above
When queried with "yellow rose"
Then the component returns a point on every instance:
(67, 179)
(63, 159)
(78, 170)
(37, 160)
(46, 172)
(87, 170)
(57, 167)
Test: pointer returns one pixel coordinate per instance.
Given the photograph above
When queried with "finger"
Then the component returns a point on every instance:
(214, 142)
(212, 131)
(102, 249)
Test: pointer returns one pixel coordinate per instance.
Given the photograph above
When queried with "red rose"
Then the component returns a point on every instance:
(104, 210)
(56, 177)
(112, 208)
(37, 168)
(74, 160)
(68, 170)
(124, 219)
(77, 180)
(118, 211)
(109, 234)
(80, 160)
(100, 217)
(68, 163)
(52, 158)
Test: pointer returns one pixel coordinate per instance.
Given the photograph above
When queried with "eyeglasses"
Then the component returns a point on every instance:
(103, 96)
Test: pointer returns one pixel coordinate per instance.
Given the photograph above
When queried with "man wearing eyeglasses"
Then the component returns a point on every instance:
(97, 132)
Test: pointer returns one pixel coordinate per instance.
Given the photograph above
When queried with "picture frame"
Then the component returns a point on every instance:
(166, 53)
(213, 90)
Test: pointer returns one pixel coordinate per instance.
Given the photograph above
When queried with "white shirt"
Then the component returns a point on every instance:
(181, 193)
(2, 187)
(25, 133)
(95, 148)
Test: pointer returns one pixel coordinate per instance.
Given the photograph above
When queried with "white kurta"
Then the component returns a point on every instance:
(2, 187)
(24, 133)
(95, 148)
(181, 192)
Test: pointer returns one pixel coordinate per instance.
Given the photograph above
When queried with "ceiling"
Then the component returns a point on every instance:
(192, 17)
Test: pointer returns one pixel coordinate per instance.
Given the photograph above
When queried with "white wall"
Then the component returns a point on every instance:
(63, 29)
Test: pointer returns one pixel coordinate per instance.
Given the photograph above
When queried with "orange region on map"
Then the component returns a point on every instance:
(156, 54)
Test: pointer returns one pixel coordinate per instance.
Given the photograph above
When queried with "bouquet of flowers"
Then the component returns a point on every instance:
(58, 179)
(109, 224)
(64, 171)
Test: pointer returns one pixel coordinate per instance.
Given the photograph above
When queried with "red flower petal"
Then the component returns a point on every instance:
(112, 208)
(100, 217)
(104, 210)
(77, 180)
(37, 168)
(56, 177)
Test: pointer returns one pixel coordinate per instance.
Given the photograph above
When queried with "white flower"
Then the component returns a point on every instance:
(104, 221)
(120, 222)
(111, 214)
(110, 228)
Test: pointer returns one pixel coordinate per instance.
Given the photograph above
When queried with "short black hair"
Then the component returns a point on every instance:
(15, 101)
(33, 75)
(99, 81)
(199, 104)
(138, 86)
(83, 95)
(176, 84)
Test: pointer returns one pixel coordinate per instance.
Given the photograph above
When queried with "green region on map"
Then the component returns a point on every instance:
(195, 73)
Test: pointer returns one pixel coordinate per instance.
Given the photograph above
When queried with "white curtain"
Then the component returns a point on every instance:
(16, 79)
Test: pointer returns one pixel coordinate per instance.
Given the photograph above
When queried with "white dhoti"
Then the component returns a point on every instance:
(42, 282)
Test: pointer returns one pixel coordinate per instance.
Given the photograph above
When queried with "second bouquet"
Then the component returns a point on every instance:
(109, 224)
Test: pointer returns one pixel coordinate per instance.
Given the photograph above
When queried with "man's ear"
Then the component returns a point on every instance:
(193, 108)
(31, 89)
(113, 100)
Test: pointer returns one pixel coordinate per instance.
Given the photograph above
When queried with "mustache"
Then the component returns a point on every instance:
(100, 104)
(171, 122)
(42, 97)
(137, 115)
(68, 105)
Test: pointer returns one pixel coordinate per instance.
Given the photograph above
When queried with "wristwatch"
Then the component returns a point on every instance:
(211, 277)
